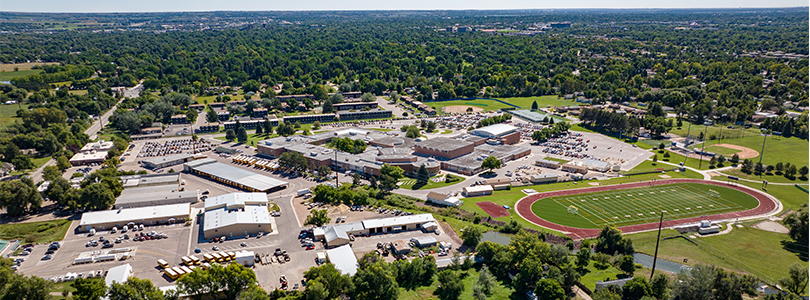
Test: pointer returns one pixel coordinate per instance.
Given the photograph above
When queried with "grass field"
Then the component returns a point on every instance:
(764, 254)
(499, 291)
(775, 146)
(523, 102)
(791, 196)
(23, 66)
(510, 197)
(8, 113)
(9, 75)
(35, 232)
(641, 205)
(770, 177)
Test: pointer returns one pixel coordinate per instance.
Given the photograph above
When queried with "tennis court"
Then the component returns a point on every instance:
(641, 205)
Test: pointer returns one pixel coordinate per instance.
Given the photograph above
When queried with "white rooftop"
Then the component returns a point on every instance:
(238, 211)
(235, 200)
(92, 155)
(344, 260)
(478, 188)
(125, 215)
(398, 221)
(100, 145)
(494, 130)
(118, 274)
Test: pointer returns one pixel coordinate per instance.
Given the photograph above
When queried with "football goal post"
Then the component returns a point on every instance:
(573, 210)
(714, 193)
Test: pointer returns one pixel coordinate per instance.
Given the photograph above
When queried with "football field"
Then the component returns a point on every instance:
(621, 207)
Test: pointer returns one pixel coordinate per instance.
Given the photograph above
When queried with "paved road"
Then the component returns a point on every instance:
(94, 128)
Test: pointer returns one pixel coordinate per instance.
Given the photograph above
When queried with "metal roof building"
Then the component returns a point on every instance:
(344, 260)
(119, 274)
(165, 161)
(234, 176)
(150, 215)
(155, 195)
(150, 180)
(493, 131)
(336, 237)
(236, 214)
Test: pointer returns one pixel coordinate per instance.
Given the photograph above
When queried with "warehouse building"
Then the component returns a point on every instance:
(543, 178)
(150, 215)
(479, 190)
(344, 260)
(442, 199)
(234, 176)
(86, 158)
(166, 161)
(150, 180)
(548, 164)
(236, 215)
(596, 165)
(155, 195)
(335, 237)
(374, 226)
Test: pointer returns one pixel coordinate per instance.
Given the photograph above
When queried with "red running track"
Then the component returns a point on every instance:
(524, 207)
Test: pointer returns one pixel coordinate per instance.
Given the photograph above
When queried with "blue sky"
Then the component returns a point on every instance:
(210, 5)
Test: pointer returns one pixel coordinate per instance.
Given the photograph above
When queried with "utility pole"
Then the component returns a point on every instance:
(686, 143)
(762, 152)
(337, 184)
(655, 257)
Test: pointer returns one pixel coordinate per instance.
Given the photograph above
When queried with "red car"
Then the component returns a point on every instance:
(310, 247)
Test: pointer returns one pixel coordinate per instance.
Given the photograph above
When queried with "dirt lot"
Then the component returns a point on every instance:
(744, 153)
(23, 66)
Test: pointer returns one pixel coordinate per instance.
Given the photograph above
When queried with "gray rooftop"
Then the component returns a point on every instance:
(442, 143)
(244, 177)
(165, 159)
(153, 194)
(153, 179)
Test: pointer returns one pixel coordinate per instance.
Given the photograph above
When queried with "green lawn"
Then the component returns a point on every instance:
(61, 286)
(559, 160)
(36, 232)
(8, 113)
(591, 274)
(377, 129)
(9, 75)
(408, 184)
(761, 253)
(500, 291)
(641, 205)
(510, 197)
(486, 105)
(542, 101)
(775, 146)
(770, 177)
(649, 166)
(38, 162)
(790, 196)
(447, 131)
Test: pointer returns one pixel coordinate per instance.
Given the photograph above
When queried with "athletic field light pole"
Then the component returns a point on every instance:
(703, 149)
(762, 152)
(686, 144)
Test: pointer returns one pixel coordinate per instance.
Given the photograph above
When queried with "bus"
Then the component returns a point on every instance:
(171, 273)
(162, 263)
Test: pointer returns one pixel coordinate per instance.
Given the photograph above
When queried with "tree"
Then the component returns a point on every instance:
(712, 161)
(655, 158)
(233, 279)
(696, 284)
(486, 280)
(191, 116)
(412, 132)
(22, 162)
(135, 289)
(450, 286)
(375, 281)
(659, 286)
(491, 163)
(316, 125)
(392, 171)
(89, 289)
(96, 196)
(334, 283)
(534, 105)
(606, 294)
(583, 257)
(610, 241)
(635, 289)
(327, 106)
(62, 163)
(735, 159)
(317, 217)
(787, 130)
(268, 127)
(431, 126)
(211, 116)
(549, 289)
(471, 235)
(796, 282)
(324, 171)
(803, 171)
(798, 224)
(259, 128)
(469, 109)
(422, 176)
(19, 197)
(368, 97)
(198, 284)
(50, 173)
(241, 135)
(315, 291)
(627, 265)
(356, 179)
(230, 135)
(297, 125)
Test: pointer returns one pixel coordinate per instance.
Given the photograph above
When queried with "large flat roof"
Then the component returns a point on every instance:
(344, 260)
(223, 217)
(154, 179)
(398, 221)
(135, 214)
(442, 143)
(119, 274)
(494, 130)
(244, 177)
(154, 194)
(235, 200)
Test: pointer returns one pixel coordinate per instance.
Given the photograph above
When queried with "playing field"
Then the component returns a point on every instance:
(623, 207)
